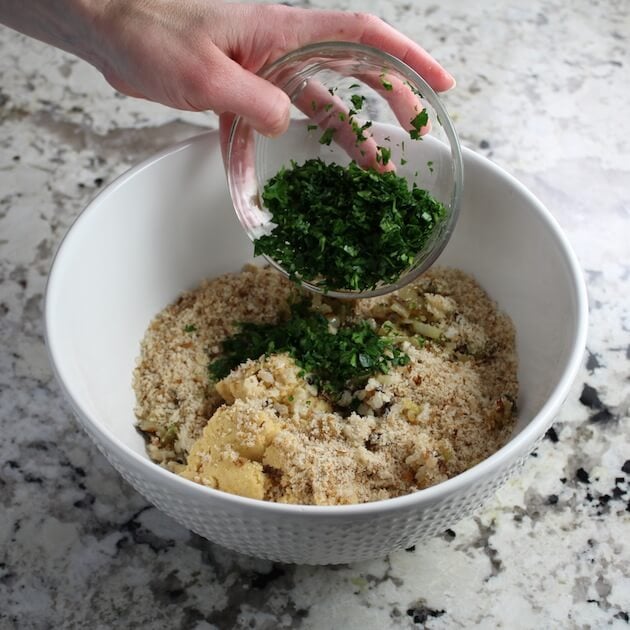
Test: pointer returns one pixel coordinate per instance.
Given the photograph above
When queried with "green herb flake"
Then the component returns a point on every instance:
(360, 129)
(311, 127)
(430, 165)
(333, 361)
(190, 328)
(357, 101)
(403, 161)
(314, 105)
(418, 122)
(385, 155)
(327, 136)
(328, 107)
(343, 227)
(385, 83)
(354, 86)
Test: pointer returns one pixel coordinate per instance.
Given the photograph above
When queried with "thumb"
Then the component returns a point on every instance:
(265, 106)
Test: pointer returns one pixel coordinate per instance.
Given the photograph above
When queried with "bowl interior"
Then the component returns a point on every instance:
(169, 223)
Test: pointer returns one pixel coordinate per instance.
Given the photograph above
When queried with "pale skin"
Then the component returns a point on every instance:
(203, 55)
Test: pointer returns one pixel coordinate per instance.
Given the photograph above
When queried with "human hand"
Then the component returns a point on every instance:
(204, 55)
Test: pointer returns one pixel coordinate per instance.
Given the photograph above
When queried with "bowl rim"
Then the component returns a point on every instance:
(445, 122)
(516, 446)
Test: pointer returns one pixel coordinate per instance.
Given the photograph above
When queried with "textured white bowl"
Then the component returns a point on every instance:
(168, 224)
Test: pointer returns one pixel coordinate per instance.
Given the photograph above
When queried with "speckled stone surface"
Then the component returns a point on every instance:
(542, 90)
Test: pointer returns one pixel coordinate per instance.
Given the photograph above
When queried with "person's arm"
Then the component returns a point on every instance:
(204, 54)
(66, 24)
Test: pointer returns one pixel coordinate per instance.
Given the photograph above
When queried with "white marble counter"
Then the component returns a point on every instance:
(543, 89)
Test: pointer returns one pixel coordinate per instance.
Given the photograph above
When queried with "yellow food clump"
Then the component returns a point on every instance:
(235, 444)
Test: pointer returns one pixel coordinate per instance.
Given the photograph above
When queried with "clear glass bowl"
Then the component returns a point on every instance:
(325, 83)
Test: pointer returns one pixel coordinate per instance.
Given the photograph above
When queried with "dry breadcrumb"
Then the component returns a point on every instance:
(174, 397)
(265, 432)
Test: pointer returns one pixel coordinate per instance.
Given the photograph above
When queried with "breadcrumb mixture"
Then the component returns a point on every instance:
(266, 433)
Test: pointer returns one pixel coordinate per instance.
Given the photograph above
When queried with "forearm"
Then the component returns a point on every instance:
(67, 24)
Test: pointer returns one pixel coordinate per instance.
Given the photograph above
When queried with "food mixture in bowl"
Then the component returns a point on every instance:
(320, 402)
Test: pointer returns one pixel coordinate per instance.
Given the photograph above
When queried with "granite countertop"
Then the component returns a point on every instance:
(543, 91)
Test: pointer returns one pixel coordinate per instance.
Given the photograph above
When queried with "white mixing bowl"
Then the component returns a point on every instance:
(168, 224)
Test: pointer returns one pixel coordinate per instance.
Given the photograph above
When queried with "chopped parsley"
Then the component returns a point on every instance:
(343, 227)
(359, 129)
(418, 122)
(190, 328)
(311, 127)
(357, 101)
(327, 136)
(332, 360)
(384, 155)
(385, 83)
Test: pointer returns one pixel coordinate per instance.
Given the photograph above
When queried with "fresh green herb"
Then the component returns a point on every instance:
(354, 86)
(327, 136)
(384, 155)
(403, 161)
(385, 83)
(359, 129)
(328, 107)
(190, 328)
(357, 101)
(345, 227)
(430, 165)
(331, 360)
(342, 117)
(418, 123)
(314, 105)
(311, 127)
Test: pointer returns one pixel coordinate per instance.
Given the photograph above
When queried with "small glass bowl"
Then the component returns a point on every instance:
(322, 80)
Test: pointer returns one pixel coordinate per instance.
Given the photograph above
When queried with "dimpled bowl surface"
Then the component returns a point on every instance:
(168, 223)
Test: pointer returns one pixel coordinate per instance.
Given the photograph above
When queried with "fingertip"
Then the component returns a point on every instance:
(275, 121)
(449, 82)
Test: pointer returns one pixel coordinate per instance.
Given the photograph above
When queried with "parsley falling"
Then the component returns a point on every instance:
(331, 360)
(343, 227)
